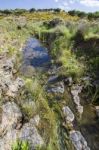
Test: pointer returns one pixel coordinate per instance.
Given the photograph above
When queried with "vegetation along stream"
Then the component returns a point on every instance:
(36, 56)
(49, 80)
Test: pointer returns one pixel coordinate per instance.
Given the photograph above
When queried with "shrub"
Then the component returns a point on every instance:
(77, 13)
(32, 10)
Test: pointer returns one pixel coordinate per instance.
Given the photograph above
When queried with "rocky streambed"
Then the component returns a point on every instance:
(78, 119)
(79, 133)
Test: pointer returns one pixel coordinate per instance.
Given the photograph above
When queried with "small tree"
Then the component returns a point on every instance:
(32, 10)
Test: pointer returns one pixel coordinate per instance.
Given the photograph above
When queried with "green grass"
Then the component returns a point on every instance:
(61, 51)
(70, 65)
(60, 41)
(48, 125)
(21, 145)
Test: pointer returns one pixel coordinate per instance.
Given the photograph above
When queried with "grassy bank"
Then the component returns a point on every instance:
(73, 45)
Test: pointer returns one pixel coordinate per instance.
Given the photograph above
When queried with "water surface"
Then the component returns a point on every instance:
(35, 55)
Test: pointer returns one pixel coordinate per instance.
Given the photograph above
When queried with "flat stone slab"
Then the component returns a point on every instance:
(69, 116)
(78, 140)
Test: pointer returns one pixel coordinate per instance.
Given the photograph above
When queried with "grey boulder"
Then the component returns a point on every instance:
(11, 117)
(78, 140)
(69, 116)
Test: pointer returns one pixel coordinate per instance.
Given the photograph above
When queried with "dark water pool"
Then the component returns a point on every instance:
(35, 54)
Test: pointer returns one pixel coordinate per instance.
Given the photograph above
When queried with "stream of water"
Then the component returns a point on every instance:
(35, 56)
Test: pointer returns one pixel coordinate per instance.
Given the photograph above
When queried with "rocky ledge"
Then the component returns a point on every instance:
(9, 85)
(76, 137)
(11, 128)
(75, 91)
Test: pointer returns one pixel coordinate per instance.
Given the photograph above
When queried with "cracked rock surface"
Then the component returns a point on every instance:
(11, 128)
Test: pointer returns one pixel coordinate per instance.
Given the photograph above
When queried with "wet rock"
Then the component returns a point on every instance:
(53, 79)
(11, 117)
(75, 91)
(69, 116)
(58, 88)
(97, 110)
(78, 140)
